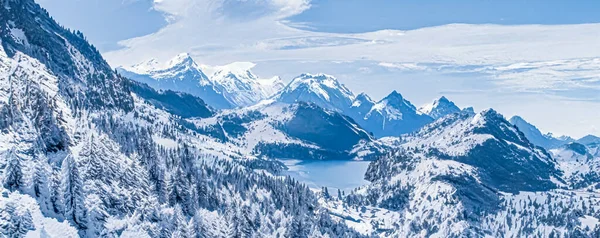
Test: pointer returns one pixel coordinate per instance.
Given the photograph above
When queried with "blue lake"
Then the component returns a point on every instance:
(344, 175)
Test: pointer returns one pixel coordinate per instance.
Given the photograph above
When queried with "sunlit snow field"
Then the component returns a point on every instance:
(345, 175)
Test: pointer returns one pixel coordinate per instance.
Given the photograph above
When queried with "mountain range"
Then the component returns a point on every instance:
(230, 86)
(167, 151)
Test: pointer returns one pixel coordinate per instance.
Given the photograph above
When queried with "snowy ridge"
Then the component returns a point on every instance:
(579, 163)
(455, 138)
(391, 116)
(429, 187)
(536, 137)
(320, 89)
(228, 86)
(265, 128)
(439, 108)
(241, 86)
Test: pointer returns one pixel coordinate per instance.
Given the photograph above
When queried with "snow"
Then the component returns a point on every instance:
(19, 36)
(235, 82)
(166, 142)
(589, 221)
(391, 113)
(144, 67)
(26, 203)
(426, 109)
(322, 85)
(454, 139)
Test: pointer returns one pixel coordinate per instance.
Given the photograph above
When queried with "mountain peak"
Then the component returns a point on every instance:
(439, 108)
(589, 139)
(534, 135)
(321, 89)
(320, 84)
(394, 95)
(182, 59)
(318, 76)
(363, 98)
(491, 113)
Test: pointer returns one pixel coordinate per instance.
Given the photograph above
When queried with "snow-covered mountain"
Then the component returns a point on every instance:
(589, 140)
(468, 175)
(439, 108)
(301, 131)
(241, 87)
(320, 89)
(580, 164)
(84, 152)
(392, 116)
(229, 86)
(536, 137)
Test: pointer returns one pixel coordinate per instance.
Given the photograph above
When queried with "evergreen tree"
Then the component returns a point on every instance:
(17, 222)
(13, 178)
(96, 216)
(40, 179)
(73, 195)
(56, 194)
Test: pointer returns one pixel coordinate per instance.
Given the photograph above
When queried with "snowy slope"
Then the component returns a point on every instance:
(320, 89)
(291, 131)
(439, 108)
(241, 87)
(392, 116)
(580, 164)
(535, 135)
(450, 179)
(180, 74)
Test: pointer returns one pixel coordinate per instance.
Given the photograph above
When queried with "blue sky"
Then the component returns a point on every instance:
(362, 16)
(105, 22)
(536, 59)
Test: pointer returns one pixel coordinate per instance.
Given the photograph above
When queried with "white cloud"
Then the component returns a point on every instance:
(551, 62)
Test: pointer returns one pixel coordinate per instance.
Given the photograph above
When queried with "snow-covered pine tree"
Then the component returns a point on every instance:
(18, 221)
(96, 215)
(13, 173)
(73, 194)
(56, 193)
(40, 178)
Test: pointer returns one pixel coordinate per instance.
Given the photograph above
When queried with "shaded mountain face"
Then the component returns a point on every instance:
(300, 131)
(589, 140)
(392, 116)
(504, 157)
(439, 108)
(177, 103)
(535, 136)
(230, 86)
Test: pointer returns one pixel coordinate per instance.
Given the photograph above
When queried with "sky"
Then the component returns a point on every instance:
(536, 59)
